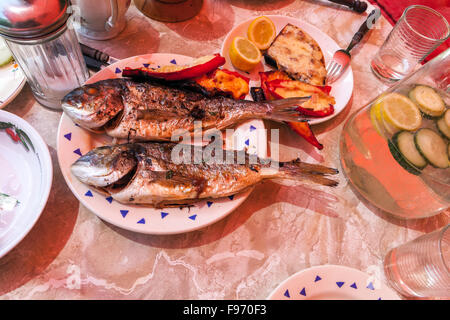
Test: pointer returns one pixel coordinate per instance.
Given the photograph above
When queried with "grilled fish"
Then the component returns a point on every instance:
(125, 108)
(147, 173)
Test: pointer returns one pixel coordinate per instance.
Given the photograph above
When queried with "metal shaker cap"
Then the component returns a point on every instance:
(29, 19)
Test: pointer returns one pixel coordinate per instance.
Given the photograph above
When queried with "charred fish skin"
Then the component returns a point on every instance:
(146, 111)
(153, 179)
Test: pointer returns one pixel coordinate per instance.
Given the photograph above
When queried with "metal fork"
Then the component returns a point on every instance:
(341, 58)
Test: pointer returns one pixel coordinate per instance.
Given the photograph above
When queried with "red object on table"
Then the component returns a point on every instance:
(393, 10)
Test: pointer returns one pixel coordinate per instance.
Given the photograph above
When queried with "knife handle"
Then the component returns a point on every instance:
(370, 20)
(355, 5)
(94, 53)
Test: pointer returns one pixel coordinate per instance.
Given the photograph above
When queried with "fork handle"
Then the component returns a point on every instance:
(370, 20)
(355, 5)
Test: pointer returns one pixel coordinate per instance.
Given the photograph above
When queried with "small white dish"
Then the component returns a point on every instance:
(12, 81)
(25, 175)
(341, 90)
(332, 282)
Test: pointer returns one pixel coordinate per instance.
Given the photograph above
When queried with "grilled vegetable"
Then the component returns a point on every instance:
(320, 104)
(304, 129)
(298, 54)
(146, 173)
(199, 67)
(224, 82)
(257, 94)
(432, 147)
(428, 100)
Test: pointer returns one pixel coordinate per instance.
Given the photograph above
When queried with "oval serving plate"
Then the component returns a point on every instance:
(341, 90)
(12, 81)
(332, 282)
(25, 175)
(73, 141)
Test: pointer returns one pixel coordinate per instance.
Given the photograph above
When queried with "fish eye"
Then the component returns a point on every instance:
(92, 91)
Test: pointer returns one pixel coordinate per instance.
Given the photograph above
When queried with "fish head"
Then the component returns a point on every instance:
(93, 105)
(105, 166)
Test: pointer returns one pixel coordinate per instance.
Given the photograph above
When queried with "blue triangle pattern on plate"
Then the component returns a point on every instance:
(286, 294)
(370, 286)
(193, 217)
(142, 221)
(78, 152)
(173, 61)
(109, 199)
(118, 70)
(247, 142)
(303, 292)
(340, 284)
(354, 285)
(146, 64)
(89, 194)
(163, 215)
(252, 128)
(124, 213)
(68, 136)
(317, 279)
(231, 197)
(209, 203)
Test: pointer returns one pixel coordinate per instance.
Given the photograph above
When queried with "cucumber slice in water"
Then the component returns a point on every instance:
(428, 100)
(405, 143)
(5, 55)
(432, 147)
(442, 126)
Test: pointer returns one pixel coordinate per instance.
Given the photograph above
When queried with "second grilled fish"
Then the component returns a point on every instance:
(125, 108)
(146, 173)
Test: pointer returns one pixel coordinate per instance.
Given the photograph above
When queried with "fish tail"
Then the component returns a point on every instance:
(286, 109)
(301, 171)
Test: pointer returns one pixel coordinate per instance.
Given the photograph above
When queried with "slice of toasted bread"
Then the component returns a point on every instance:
(296, 53)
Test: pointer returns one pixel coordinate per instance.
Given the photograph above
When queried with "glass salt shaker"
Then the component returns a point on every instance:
(45, 47)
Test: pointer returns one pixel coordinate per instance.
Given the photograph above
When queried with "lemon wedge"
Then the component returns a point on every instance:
(399, 112)
(244, 54)
(262, 32)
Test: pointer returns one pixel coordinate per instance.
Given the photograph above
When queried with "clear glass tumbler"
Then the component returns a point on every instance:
(421, 268)
(417, 33)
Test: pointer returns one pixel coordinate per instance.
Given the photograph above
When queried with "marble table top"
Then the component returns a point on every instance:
(279, 230)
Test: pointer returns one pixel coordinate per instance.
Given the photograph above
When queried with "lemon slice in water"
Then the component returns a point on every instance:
(400, 113)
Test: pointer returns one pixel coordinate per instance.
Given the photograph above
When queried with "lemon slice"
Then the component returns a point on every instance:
(244, 54)
(400, 112)
(262, 32)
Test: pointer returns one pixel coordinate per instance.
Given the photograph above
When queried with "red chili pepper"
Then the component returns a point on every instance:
(188, 72)
(304, 129)
(12, 134)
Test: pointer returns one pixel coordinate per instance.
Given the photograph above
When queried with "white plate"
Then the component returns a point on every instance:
(27, 176)
(332, 282)
(341, 90)
(73, 141)
(12, 81)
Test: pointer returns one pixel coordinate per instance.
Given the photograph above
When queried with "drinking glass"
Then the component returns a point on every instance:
(419, 31)
(371, 159)
(420, 268)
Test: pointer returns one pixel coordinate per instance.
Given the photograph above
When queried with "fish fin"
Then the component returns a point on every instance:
(286, 109)
(297, 170)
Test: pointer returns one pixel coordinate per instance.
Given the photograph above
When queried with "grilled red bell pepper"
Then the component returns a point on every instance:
(304, 129)
(224, 81)
(199, 67)
(320, 104)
